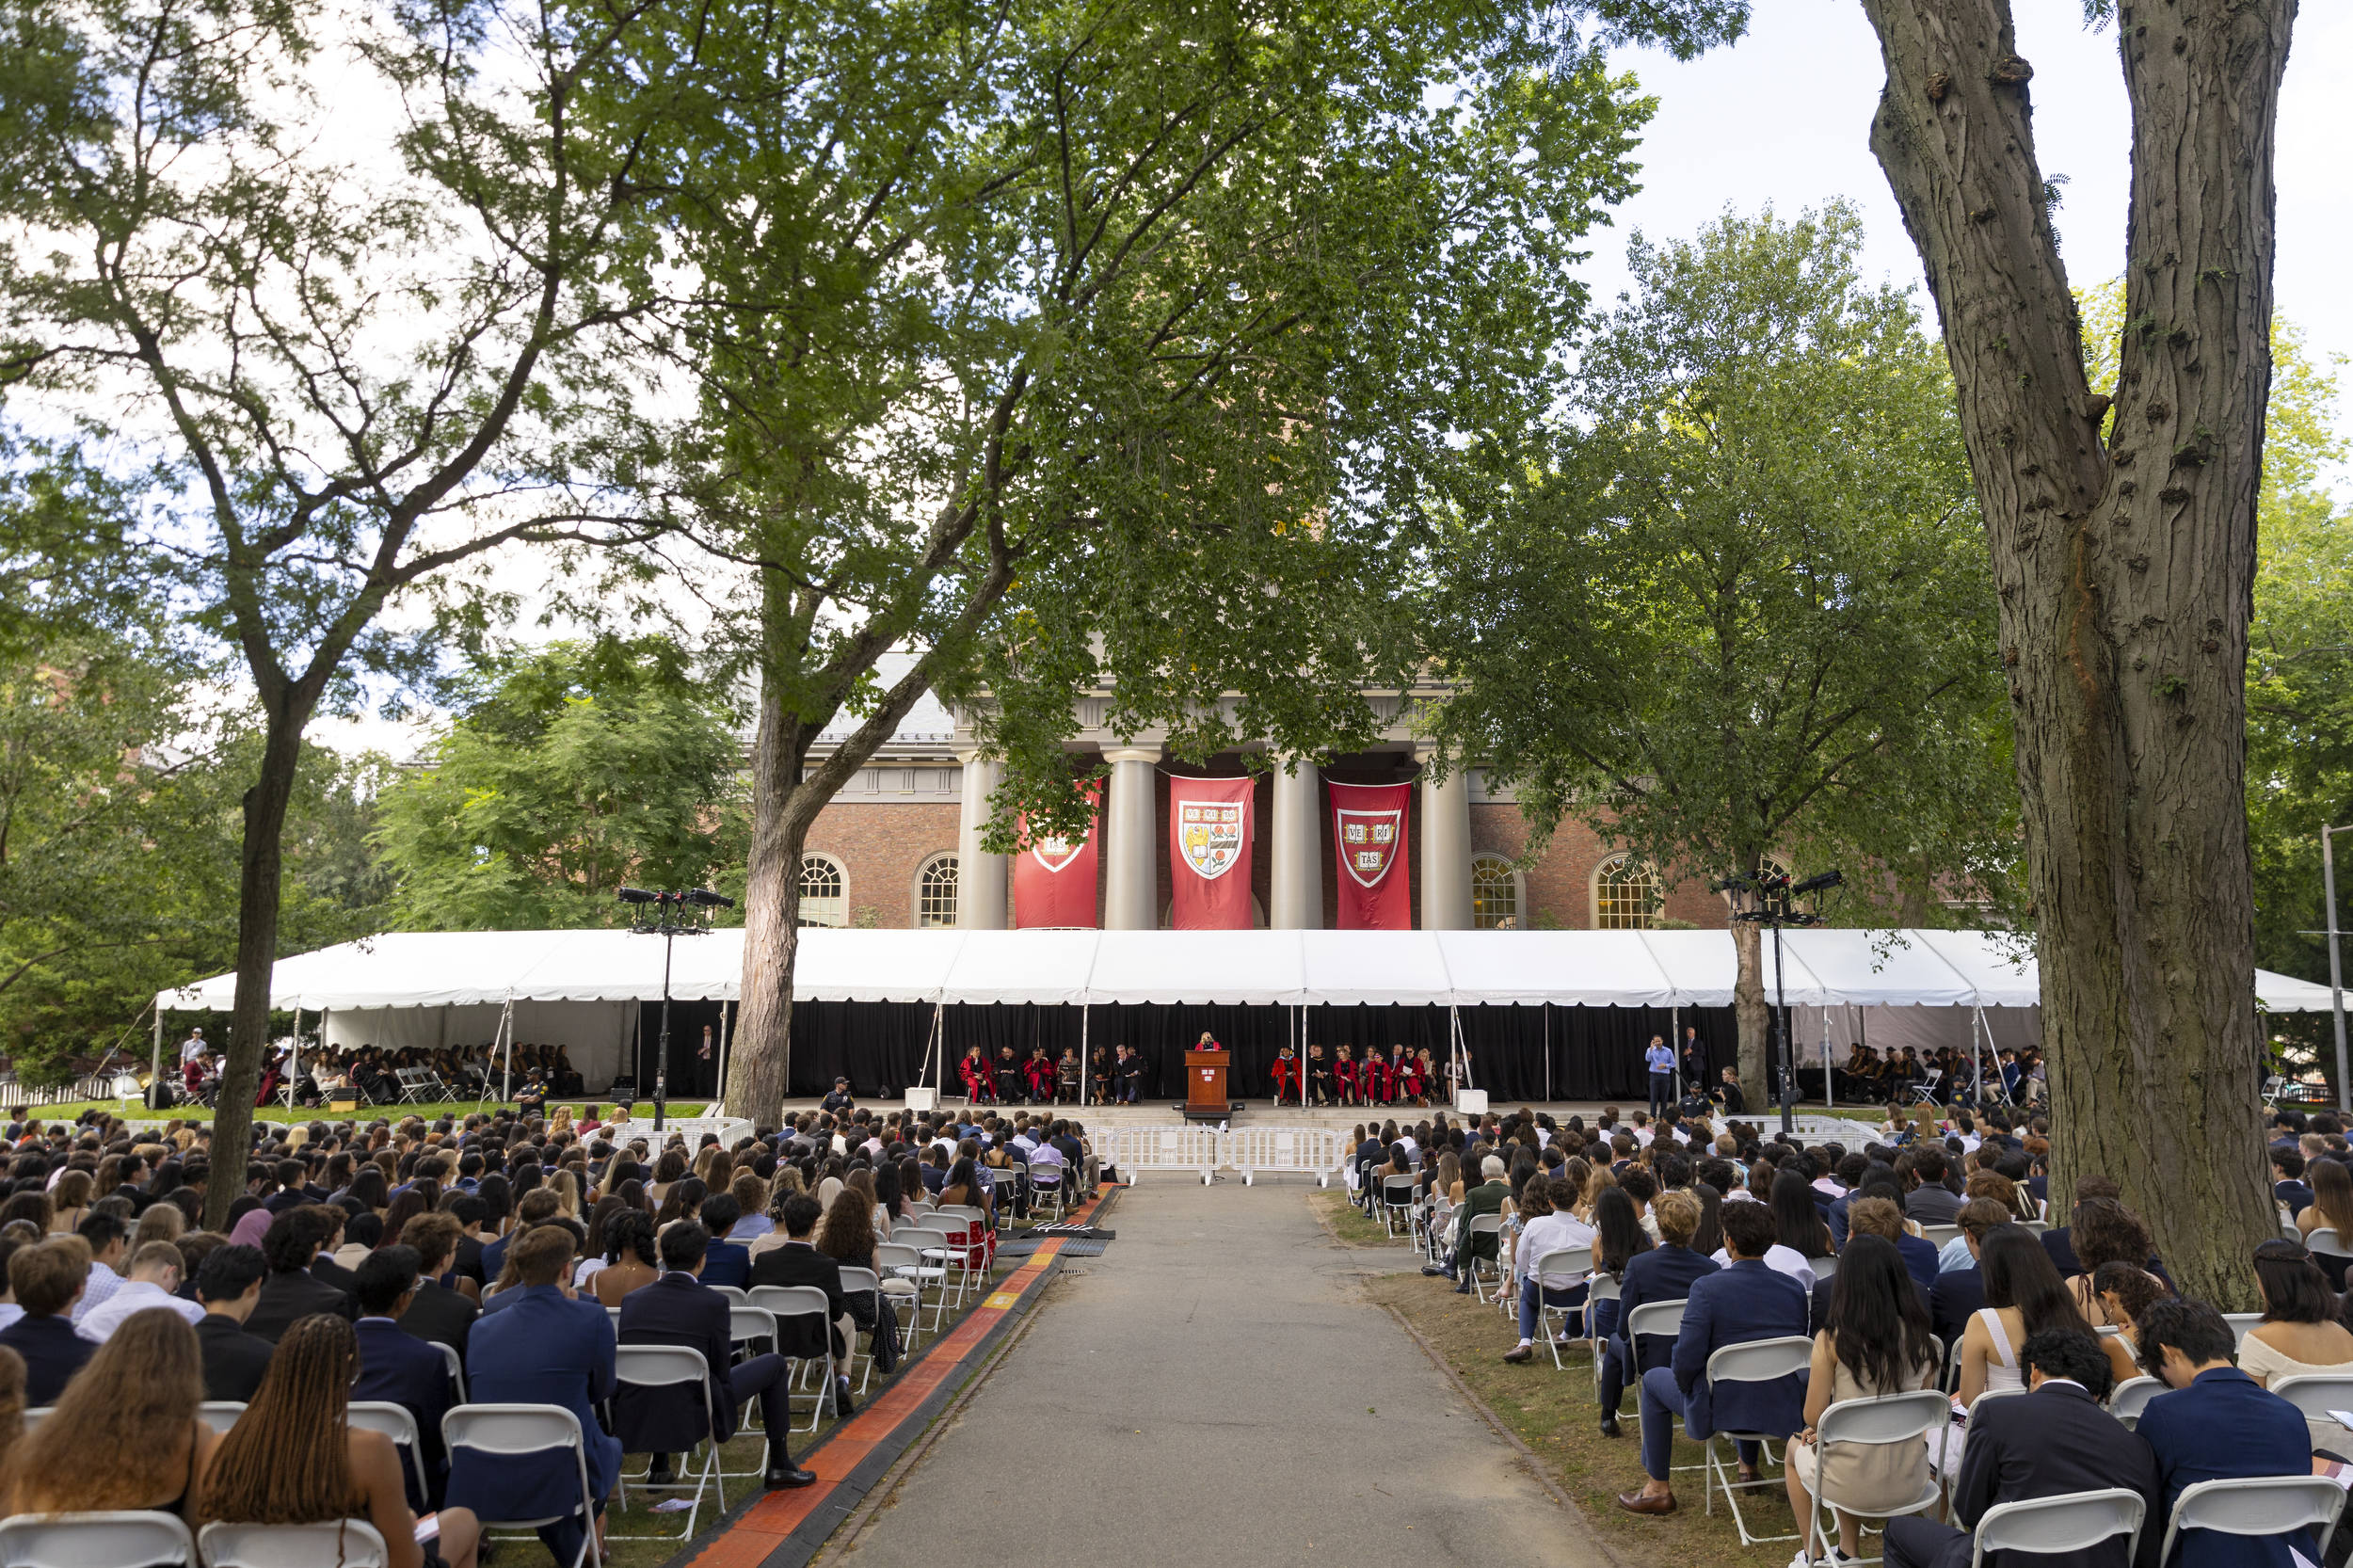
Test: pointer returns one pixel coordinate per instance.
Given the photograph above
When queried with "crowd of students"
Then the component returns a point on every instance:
(354, 1252)
(1925, 1258)
(373, 1075)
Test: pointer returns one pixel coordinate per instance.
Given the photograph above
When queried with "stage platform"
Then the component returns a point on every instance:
(1262, 1112)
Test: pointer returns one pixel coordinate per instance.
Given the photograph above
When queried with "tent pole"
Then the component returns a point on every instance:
(1547, 1006)
(506, 1034)
(722, 1059)
(1830, 1095)
(1675, 1035)
(293, 1058)
(1085, 1066)
(1977, 1068)
(155, 1069)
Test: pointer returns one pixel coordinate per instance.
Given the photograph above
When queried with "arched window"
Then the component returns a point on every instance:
(1772, 871)
(1626, 895)
(1495, 895)
(822, 890)
(936, 892)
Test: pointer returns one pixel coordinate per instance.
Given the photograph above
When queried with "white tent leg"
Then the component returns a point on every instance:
(1830, 1094)
(723, 1057)
(155, 1070)
(293, 1058)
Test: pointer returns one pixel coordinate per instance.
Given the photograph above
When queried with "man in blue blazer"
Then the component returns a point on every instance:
(396, 1366)
(679, 1308)
(1734, 1305)
(546, 1348)
(1664, 1274)
(2218, 1422)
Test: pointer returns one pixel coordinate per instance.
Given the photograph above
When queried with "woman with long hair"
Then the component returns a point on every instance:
(1799, 1224)
(2299, 1334)
(405, 1206)
(846, 1232)
(124, 1434)
(669, 1168)
(630, 1262)
(2104, 1231)
(294, 1458)
(684, 1202)
(69, 1202)
(2332, 1209)
(1876, 1341)
(2023, 1296)
(1709, 1238)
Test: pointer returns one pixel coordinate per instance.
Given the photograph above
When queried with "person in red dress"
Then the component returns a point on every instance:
(1040, 1072)
(979, 1085)
(1344, 1077)
(1374, 1076)
(1285, 1074)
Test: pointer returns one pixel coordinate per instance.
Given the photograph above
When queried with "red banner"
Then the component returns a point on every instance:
(1368, 852)
(1053, 879)
(1209, 853)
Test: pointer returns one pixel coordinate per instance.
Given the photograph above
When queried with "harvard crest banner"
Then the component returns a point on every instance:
(1053, 879)
(1209, 853)
(1368, 852)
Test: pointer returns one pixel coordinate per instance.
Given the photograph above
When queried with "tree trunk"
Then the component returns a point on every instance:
(760, 1067)
(262, 861)
(2124, 573)
(1751, 1013)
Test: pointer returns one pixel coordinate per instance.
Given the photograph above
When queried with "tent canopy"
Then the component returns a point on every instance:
(1590, 968)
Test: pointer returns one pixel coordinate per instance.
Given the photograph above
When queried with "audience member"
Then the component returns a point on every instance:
(152, 1282)
(679, 1310)
(294, 1458)
(438, 1312)
(290, 1246)
(1664, 1274)
(125, 1434)
(109, 1239)
(2215, 1423)
(47, 1279)
(2299, 1334)
(799, 1262)
(1559, 1231)
(1876, 1341)
(397, 1367)
(2053, 1440)
(1747, 1299)
(228, 1285)
(2024, 1297)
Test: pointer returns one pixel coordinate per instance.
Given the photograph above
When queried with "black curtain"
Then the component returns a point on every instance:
(1596, 1052)
(691, 1077)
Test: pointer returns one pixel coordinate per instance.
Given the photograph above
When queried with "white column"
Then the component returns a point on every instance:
(979, 876)
(1295, 901)
(1445, 868)
(1130, 884)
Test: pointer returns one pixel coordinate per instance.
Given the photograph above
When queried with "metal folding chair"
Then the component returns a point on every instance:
(1484, 1225)
(674, 1366)
(396, 1422)
(1396, 1205)
(2128, 1399)
(1756, 1360)
(901, 1261)
(863, 1282)
(122, 1538)
(2255, 1505)
(1876, 1423)
(1652, 1320)
(350, 1542)
(1562, 1260)
(2065, 1525)
(511, 1431)
(220, 1415)
(795, 1301)
(2242, 1324)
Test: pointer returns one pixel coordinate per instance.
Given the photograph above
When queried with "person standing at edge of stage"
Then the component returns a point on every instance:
(1661, 1062)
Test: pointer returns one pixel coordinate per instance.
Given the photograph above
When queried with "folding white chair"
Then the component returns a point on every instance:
(863, 1282)
(1048, 1191)
(1599, 1288)
(125, 1538)
(395, 1422)
(1484, 1225)
(2318, 1395)
(2065, 1525)
(674, 1366)
(1653, 1320)
(1560, 1261)
(2129, 1398)
(1888, 1419)
(905, 1263)
(351, 1542)
(2242, 1324)
(785, 1301)
(2255, 1505)
(1756, 1360)
(750, 1325)
(1396, 1205)
(1940, 1236)
(1824, 1268)
(220, 1415)
(966, 1249)
(511, 1431)
(35, 1415)
(457, 1365)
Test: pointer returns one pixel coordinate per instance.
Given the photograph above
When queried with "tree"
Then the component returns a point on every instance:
(2125, 569)
(575, 769)
(1744, 613)
(1062, 343)
(360, 371)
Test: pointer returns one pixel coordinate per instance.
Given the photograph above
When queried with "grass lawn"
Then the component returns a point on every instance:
(1554, 1414)
(640, 1116)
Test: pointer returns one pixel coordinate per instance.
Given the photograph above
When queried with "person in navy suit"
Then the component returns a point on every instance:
(547, 1347)
(725, 1262)
(678, 1308)
(2218, 1422)
(396, 1366)
(2054, 1439)
(47, 1279)
(1664, 1274)
(1746, 1302)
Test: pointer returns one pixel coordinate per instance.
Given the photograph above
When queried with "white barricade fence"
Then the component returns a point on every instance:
(1308, 1151)
(730, 1129)
(1829, 1130)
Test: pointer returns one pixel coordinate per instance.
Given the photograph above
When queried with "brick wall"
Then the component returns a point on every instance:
(879, 847)
(1560, 885)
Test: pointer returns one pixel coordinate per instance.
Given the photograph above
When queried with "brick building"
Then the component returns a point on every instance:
(899, 845)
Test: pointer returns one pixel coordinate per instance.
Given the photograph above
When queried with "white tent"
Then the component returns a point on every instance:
(1828, 967)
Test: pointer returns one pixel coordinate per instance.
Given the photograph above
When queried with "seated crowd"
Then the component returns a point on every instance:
(362, 1260)
(373, 1076)
(1925, 1262)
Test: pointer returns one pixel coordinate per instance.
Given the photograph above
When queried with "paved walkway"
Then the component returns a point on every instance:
(1213, 1391)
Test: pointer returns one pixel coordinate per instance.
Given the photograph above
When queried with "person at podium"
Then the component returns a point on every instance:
(1205, 1043)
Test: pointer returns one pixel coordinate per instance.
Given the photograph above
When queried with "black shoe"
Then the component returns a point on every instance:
(1463, 1289)
(1430, 1270)
(781, 1477)
(843, 1406)
(658, 1474)
(1610, 1424)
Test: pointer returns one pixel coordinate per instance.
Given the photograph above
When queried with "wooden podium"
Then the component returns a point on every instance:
(1204, 1082)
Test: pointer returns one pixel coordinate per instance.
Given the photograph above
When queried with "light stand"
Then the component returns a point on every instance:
(671, 921)
(1773, 893)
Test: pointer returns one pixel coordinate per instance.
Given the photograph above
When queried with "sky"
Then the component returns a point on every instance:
(1783, 118)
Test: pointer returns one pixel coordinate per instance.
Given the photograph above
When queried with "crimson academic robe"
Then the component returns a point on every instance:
(977, 1082)
(1344, 1074)
(1286, 1076)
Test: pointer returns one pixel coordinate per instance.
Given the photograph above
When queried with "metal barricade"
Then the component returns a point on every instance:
(1135, 1149)
(1832, 1130)
(1303, 1150)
